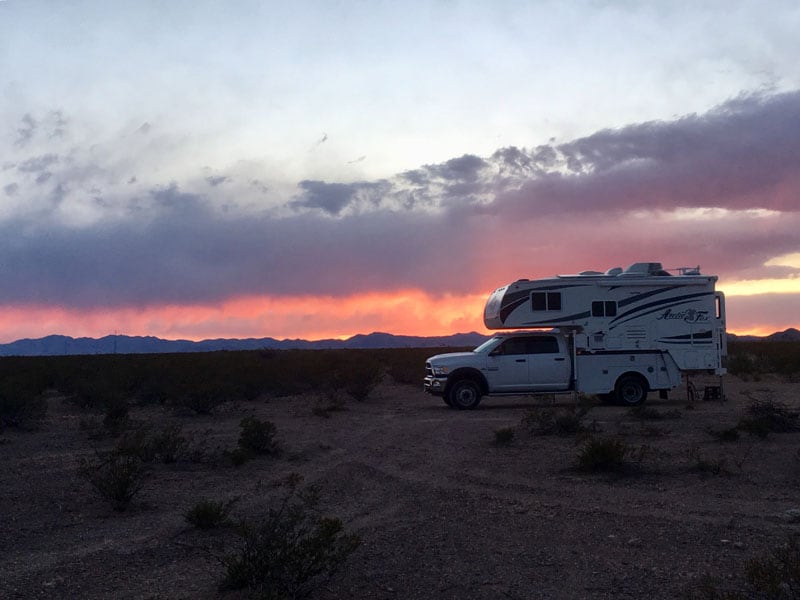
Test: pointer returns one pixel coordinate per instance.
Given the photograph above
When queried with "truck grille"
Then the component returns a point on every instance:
(428, 370)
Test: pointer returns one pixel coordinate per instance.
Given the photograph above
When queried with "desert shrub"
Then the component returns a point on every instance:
(116, 415)
(768, 416)
(603, 455)
(208, 514)
(166, 445)
(563, 422)
(201, 401)
(238, 456)
(290, 550)
(169, 444)
(728, 434)
(22, 404)
(777, 575)
(503, 436)
(650, 413)
(116, 477)
(135, 443)
(706, 466)
(258, 436)
(359, 388)
(774, 576)
(759, 357)
(325, 405)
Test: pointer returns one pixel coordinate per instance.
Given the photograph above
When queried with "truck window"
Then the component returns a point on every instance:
(546, 300)
(512, 346)
(542, 345)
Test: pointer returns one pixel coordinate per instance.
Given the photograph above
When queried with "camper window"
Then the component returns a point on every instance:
(546, 300)
(604, 308)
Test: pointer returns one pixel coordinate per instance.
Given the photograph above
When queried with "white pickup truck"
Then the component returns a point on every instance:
(527, 362)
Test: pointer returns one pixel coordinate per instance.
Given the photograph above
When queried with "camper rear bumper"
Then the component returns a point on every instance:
(434, 385)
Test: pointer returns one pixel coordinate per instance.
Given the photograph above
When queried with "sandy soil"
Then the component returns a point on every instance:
(442, 511)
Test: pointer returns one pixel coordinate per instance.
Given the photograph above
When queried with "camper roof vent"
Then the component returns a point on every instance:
(614, 271)
(585, 273)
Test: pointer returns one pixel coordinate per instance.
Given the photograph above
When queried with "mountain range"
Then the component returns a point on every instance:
(124, 344)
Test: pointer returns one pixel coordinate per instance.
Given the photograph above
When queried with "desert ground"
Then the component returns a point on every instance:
(442, 510)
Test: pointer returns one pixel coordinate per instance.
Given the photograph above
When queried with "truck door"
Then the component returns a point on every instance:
(549, 366)
(507, 366)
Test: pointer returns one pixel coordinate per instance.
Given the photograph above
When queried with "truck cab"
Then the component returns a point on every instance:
(508, 363)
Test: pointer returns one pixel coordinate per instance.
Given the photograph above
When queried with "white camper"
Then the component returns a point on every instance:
(618, 334)
(642, 307)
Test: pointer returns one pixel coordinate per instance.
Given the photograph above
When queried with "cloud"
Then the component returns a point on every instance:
(216, 180)
(721, 189)
(25, 131)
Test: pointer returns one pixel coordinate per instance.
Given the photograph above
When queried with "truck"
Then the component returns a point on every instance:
(618, 334)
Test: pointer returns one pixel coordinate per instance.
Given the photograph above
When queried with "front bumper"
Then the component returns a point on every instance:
(434, 385)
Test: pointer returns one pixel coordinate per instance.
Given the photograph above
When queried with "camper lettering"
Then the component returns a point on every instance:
(689, 316)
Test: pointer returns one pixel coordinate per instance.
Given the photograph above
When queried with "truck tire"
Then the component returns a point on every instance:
(631, 390)
(465, 394)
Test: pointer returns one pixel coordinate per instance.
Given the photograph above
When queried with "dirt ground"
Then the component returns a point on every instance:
(442, 511)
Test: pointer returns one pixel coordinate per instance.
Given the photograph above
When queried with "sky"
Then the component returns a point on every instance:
(205, 169)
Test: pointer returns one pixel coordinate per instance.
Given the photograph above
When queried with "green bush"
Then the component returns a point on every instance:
(116, 477)
(208, 514)
(290, 550)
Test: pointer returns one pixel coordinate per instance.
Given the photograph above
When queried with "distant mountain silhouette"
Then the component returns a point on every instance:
(54, 345)
(789, 335)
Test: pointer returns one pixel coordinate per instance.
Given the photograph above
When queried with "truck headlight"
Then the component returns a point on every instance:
(439, 371)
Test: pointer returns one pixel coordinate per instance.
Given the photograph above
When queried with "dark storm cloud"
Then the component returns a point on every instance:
(742, 155)
(334, 198)
(465, 224)
(191, 253)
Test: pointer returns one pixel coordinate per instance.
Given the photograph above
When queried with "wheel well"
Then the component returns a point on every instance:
(467, 373)
(636, 374)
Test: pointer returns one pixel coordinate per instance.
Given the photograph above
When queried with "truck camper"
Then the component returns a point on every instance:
(619, 334)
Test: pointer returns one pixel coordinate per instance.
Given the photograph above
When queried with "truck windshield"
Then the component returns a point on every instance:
(487, 344)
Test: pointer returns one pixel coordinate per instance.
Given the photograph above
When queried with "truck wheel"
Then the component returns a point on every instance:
(631, 390)
(465, 394)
